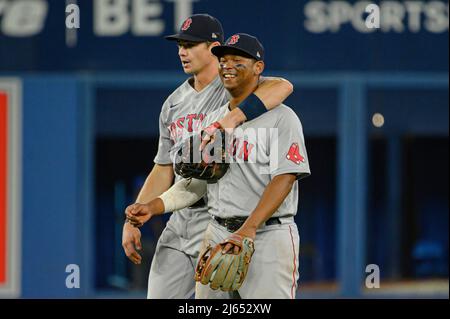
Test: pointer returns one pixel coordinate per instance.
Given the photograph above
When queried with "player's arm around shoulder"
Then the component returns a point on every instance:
(271, 92)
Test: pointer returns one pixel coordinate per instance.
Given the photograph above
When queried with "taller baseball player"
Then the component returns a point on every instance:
(253, 204)
(173, 265)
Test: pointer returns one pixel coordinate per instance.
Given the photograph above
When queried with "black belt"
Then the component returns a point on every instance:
(199, 203)
(234, 223)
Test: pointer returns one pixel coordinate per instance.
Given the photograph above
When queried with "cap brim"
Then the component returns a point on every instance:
(184, 37)
(221, 50)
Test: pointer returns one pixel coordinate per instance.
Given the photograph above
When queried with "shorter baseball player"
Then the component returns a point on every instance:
(254, 203)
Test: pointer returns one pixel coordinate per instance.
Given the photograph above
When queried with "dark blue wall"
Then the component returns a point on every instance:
(282, 26)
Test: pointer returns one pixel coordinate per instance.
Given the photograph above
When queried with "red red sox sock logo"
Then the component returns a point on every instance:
(294, 154)
(186, 24)
(234, 39)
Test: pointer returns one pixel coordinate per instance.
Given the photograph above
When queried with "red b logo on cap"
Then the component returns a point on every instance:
(234, 39)
(186, 24)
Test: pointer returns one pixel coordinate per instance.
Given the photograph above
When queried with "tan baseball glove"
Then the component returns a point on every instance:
(225, 271)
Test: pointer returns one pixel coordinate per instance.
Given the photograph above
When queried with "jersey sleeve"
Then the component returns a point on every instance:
(165, 143)
(287, 147)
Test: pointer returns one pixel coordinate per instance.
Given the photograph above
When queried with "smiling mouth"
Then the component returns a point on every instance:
(229, 76)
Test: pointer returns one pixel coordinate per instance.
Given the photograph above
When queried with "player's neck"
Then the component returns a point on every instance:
(205, 77)
(241, 93)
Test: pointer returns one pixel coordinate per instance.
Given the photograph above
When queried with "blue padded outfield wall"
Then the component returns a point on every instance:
(58, 211)
(53, 221)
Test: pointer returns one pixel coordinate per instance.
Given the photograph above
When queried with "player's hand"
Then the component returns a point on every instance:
(131, 242)
(215, 130)
(242, 232)
(139, 214)
(228, 123)
(209, 134)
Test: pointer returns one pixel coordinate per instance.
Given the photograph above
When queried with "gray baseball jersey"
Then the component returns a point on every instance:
(183, 112)
(270, 145)
(172, 270)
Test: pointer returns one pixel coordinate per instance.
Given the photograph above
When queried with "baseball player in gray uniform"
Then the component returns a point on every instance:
(257, 198)
(172, 270)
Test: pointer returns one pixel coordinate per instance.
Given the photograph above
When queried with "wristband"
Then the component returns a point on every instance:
(252, 107)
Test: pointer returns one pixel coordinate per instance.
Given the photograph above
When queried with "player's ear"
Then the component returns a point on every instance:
(258, 67)
(213, 44)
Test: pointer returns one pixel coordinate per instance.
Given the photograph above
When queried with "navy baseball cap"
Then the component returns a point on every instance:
(241, 44)
(199, 28)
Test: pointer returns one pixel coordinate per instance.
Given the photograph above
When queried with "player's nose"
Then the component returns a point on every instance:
(182, 52)
(225, 65)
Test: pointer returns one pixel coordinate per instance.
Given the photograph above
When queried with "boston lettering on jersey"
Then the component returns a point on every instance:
(244, 147)
(185, 124)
